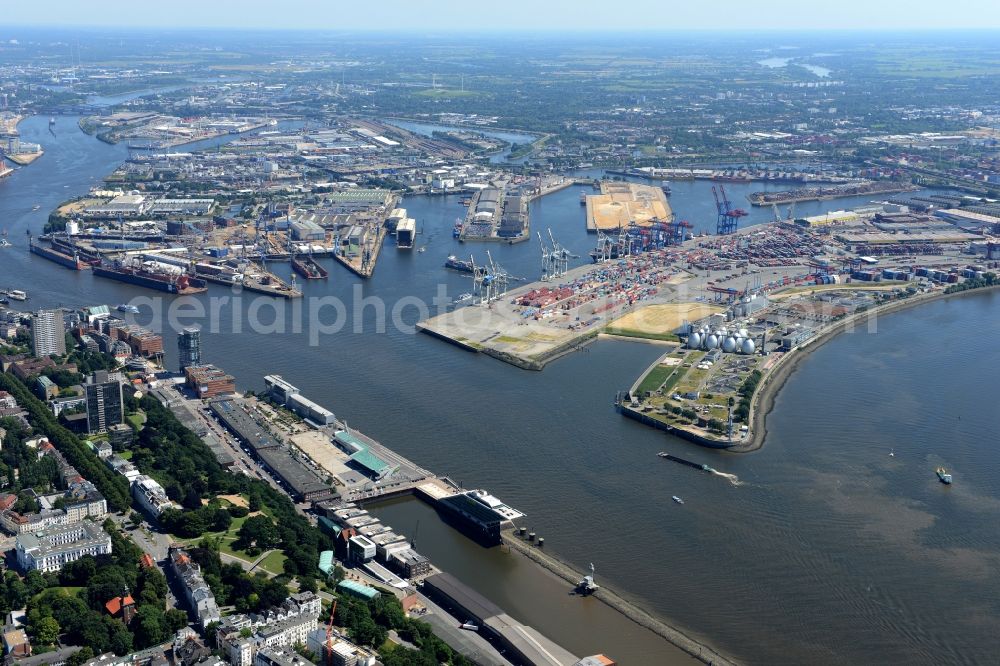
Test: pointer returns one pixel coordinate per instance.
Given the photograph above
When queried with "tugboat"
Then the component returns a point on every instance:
(587, 585)
(943, 476)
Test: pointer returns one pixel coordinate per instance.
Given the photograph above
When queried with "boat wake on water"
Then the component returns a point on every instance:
(733, 479)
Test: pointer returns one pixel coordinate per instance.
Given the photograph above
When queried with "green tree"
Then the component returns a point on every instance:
(150, 626)
(80, 657)
(120, 641)
(47, 631)
(259, 531)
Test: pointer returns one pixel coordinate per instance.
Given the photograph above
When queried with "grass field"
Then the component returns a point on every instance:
(660, 374)
(137, 420)
(631, 333)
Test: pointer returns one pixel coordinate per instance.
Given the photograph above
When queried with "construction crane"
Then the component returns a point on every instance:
(328, 644)
(729, 217)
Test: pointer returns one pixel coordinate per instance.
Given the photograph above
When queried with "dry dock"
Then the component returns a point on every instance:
(358, 264)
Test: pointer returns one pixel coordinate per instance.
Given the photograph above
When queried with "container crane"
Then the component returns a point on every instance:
(547, 259)
(729, 217)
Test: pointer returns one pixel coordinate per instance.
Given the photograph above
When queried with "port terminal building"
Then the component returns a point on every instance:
(289, 396)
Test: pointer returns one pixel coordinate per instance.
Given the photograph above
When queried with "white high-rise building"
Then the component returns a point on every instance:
(48, 336)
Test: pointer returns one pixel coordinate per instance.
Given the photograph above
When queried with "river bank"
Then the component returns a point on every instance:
(770, 385)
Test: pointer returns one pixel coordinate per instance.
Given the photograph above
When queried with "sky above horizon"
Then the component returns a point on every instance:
(543, 15)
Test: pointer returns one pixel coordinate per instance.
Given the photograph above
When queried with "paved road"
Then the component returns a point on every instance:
(468, 643)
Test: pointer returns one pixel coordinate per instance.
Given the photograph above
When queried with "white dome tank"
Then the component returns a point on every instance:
(729, 345)
(748, 347)
(694, 341)
(712, 341)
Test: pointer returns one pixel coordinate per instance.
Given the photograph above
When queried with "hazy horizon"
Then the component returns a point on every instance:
(449, 16)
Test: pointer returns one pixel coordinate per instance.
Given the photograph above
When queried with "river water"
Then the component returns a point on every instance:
(830, 550)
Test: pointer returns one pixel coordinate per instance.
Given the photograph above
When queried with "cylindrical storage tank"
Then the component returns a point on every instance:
(712, 341)
(694, 341)
(748, 347)
(729, 345)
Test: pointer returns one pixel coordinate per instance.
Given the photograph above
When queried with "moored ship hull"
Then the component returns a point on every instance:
(171, 284)
(59, 257)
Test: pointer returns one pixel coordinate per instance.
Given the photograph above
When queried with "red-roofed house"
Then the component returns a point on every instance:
(122, 608)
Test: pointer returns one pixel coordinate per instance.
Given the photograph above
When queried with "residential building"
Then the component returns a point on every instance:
(189, 348)
(409, 563)
(45, 388)
(198, 594)
(16, 644)
(51, 548)
(48, 336)
(208, 381)
(151, 496)
(105, 402)
(338, 651)
(281, 627)
(280, 657)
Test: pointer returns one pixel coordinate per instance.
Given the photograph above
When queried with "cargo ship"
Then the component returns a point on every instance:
(69, 261)
(147, 275)
(308, 268)
(457, 264)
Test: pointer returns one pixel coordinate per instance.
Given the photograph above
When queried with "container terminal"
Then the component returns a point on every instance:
(733, 306)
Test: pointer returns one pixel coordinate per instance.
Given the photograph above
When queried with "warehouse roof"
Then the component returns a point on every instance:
(465, 598)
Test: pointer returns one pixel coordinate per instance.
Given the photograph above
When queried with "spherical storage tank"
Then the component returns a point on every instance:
(748, 346)
(712, 341)
(694, 340)
(729, 345)
(744, 333)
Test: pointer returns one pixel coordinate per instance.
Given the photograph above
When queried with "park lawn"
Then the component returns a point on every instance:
(226, 540)
(274, 562)
(62, 590)
(136, 420)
